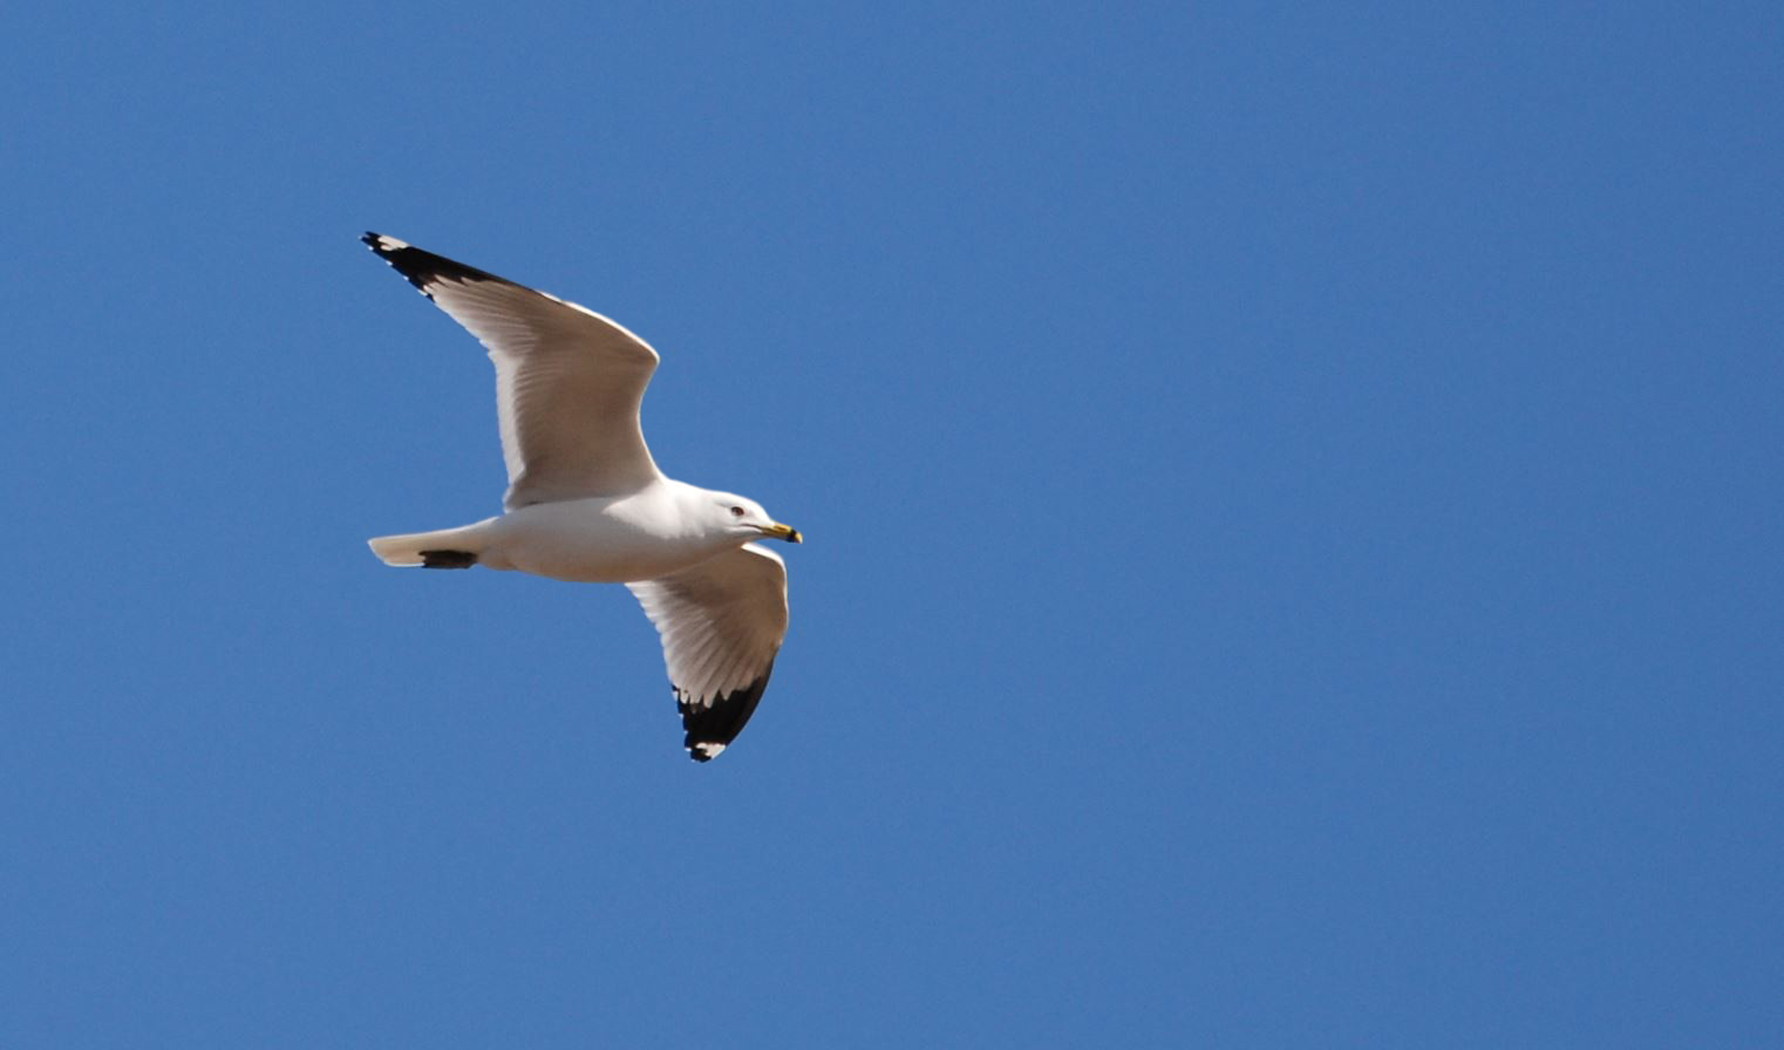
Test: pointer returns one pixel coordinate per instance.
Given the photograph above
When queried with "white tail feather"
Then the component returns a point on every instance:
(406, 550)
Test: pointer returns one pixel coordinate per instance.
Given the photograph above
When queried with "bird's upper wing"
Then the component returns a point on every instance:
(568, 381)
(721, 621)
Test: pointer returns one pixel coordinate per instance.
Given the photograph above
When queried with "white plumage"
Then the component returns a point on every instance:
(586, 502)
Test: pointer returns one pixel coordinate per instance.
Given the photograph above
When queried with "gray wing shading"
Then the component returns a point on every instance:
(721, 622)
(568, 381)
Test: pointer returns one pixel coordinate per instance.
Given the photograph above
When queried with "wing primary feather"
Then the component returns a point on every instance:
(421, 268)
(710, 729)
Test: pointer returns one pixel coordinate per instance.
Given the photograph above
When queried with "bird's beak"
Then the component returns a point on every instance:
(778, 531)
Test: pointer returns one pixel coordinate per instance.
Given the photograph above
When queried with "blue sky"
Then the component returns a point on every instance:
(1291, 501)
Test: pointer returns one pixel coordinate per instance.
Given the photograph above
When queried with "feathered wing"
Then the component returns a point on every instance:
(721, 622)
(568, 381)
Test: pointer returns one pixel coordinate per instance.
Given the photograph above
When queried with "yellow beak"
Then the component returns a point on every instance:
(778, 531)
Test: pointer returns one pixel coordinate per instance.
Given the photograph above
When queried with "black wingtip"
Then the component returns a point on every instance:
(419, 268)
(712, 727)
(423, 269)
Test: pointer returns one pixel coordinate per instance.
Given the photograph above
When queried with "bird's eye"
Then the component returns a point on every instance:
(737, 512)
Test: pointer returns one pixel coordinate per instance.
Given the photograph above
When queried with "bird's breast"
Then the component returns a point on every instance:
(594, 541)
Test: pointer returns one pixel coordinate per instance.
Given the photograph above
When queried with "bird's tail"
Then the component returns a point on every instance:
(441, 549)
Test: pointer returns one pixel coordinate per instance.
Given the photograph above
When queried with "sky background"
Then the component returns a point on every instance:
(1291, 493)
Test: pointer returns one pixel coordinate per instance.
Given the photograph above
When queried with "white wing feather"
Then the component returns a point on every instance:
(721, 623)
(568, 381)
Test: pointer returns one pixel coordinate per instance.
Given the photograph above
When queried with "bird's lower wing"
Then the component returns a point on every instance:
(721, 623)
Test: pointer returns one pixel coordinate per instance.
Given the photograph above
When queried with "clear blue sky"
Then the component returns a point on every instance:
(1292, 506)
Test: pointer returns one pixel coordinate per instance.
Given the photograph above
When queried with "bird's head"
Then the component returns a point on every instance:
(746, 519)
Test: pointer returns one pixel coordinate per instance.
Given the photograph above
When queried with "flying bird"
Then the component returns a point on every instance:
(586, 503)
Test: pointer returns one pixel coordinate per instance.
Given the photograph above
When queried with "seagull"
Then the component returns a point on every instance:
(587, 504)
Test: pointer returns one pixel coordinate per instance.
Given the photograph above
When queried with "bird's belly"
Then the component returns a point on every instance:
(585, 541)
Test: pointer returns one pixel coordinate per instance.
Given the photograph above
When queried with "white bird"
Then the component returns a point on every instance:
(586, 502)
